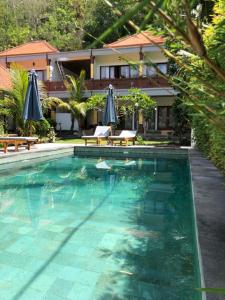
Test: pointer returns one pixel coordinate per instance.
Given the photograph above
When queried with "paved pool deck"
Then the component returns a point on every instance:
(37, 151)
(209, 196)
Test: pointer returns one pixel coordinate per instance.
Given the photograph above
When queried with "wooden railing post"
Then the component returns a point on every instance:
(92, 59)
(141, 63)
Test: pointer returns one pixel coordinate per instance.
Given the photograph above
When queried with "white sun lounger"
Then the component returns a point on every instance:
(101, 133)
(125, 136)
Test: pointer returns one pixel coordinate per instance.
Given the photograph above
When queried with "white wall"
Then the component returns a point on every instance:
(156, 57)
(113, 60)
(124, 59)
(65, 120)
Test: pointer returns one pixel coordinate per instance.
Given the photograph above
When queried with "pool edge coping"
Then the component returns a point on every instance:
(200, 263)
(209, 209)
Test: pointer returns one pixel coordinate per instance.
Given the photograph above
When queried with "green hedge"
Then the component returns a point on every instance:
(211, 142)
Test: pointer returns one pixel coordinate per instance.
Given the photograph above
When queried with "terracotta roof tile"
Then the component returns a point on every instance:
(34, 47)
(139, 39)
(5, 81)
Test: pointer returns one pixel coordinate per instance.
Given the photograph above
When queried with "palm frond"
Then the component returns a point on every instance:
(76, 86)
(51, 102)
(64, 107)
(19, 78)
(78, 109)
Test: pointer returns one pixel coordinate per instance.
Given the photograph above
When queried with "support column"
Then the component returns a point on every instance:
(48, 70)
(94, 117)
(141, 63)
(156, 118)
(7, 64)
(140, 118)
(133, 121)
(92, 58)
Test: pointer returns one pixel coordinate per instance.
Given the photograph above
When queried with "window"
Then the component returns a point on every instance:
(134, 72)
(124, 72)
(150, 71)
(104, 73)
(165, 117)
(112, 73)
(151, 122)
(115, 72)
(40, 75)
(162, 67)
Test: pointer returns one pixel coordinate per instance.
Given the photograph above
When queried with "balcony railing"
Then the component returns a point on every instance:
(123, 83)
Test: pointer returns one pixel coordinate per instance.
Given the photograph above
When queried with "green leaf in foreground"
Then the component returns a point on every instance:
(213, 290)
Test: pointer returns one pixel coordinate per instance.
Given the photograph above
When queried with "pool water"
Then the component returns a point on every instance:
(91, 228)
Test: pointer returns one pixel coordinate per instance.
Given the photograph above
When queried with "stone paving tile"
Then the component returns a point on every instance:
(43, 282)
(60, 287)
(92, 259)
(70, 273)
(80, 292)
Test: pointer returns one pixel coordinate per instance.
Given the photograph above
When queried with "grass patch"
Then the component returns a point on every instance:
(92, 142)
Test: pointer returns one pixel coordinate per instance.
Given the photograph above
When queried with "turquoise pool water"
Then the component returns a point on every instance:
(90, 228)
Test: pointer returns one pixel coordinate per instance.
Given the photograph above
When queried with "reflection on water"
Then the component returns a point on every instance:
(103, 228)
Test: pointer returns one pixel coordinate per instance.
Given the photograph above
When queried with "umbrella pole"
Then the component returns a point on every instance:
(30, 128)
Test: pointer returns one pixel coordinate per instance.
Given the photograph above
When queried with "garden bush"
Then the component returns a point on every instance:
(210, 141)
(2, 130)
(182, 128)
(42, 128)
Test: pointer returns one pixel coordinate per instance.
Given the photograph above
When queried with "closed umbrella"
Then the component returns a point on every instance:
(110, 116)
(32, 108)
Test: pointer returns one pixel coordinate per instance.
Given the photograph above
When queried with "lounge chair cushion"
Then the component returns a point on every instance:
(125, 134)
(128, 133)
(100, 131)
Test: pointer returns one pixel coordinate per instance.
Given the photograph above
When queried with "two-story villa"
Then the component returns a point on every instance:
(104, 66)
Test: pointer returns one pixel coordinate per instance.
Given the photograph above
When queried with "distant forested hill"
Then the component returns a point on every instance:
(66, 24)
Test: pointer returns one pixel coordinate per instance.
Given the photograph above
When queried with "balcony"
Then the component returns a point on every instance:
(123, 83)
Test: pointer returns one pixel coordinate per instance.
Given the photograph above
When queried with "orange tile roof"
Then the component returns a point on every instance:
(5, 81)
(34, 47)
(139, 39)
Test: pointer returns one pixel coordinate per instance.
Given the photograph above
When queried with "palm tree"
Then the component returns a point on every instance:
(75, 105)
(12, 100)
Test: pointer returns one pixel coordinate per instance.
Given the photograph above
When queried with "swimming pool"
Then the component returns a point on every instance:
(96, 228)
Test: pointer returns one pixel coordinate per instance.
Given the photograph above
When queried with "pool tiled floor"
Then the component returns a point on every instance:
(96, 234)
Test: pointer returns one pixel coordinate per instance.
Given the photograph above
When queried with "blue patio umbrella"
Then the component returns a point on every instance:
(110, 116)
(32, 108)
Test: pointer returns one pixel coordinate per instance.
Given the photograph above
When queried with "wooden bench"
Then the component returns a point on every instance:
(17, 141)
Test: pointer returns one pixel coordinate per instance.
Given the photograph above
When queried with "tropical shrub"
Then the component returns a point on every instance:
(2, 130)
(13, 99)
(75, 85)
(182, 127)
(210, 141)
(137, 101)
(96, 102)
(42, 128)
